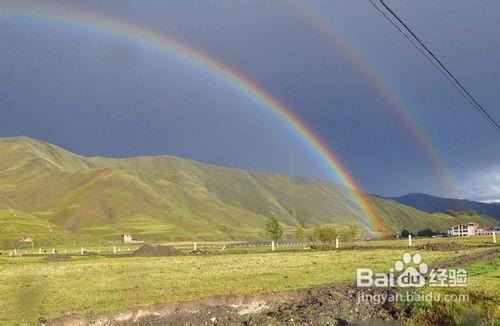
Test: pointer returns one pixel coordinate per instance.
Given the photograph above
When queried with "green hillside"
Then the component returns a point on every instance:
(51, 194)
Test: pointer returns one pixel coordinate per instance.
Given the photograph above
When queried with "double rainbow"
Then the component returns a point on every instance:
(188, 54)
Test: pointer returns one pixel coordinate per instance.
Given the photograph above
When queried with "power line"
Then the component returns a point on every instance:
(407, 32)
(453, 80)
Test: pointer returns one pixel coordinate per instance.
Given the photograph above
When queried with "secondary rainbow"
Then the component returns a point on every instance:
(88, 19)
(325, 26)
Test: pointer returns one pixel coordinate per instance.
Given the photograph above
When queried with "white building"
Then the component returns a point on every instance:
(464, 230)
(127, 238)
(26, 239)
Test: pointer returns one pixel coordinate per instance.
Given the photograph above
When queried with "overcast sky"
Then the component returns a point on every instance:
(96, 93)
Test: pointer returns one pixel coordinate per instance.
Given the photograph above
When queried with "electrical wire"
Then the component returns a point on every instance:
(404, 29)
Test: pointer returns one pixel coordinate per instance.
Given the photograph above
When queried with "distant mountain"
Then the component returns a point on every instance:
(51, 194)
(431, 204)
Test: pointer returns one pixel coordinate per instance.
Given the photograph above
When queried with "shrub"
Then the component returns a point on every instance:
(325, 233)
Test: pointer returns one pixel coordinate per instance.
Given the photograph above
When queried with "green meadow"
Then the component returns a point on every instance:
(32, 287)
(40, 289)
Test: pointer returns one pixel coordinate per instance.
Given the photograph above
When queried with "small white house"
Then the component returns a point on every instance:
(127, 238)
(26, 239)
(464, 230)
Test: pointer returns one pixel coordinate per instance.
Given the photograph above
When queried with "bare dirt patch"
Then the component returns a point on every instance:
(148, 250)
(468, 258)
(331, 246)
(441, 246)
(334, 305)
(199, 252)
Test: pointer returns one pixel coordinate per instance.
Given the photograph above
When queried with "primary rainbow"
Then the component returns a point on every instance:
(325, 25)
(87, 19)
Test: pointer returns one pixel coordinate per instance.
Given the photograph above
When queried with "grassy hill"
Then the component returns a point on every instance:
(55, 195)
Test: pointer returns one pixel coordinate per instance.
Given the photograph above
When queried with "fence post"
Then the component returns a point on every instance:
(39, 251)
(53, 250)
(337, 243)
(494, 236)
(114, 249)
(194, 246)
(272, 245)
(15, 252)
(81, 250)
(409, 240)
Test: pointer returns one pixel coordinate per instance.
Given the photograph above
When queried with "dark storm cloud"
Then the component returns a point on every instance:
(99, 94)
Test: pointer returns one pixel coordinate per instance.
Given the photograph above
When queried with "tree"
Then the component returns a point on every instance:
(405, 233)
(325, 233)
(354, 230)
(425, 233)
(349, 233)
(273, 227)
(299, 234)
(345, 234)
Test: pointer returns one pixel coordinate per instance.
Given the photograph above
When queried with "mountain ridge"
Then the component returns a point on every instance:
(434, 204)
(171, 198)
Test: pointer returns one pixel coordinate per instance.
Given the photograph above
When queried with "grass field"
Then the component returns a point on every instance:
(33, 288)
(467, 241)
(481, 308)
(105, 247)
(100, 284)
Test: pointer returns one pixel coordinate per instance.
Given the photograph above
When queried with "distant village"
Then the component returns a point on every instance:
(457, 230)
(470, 229)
